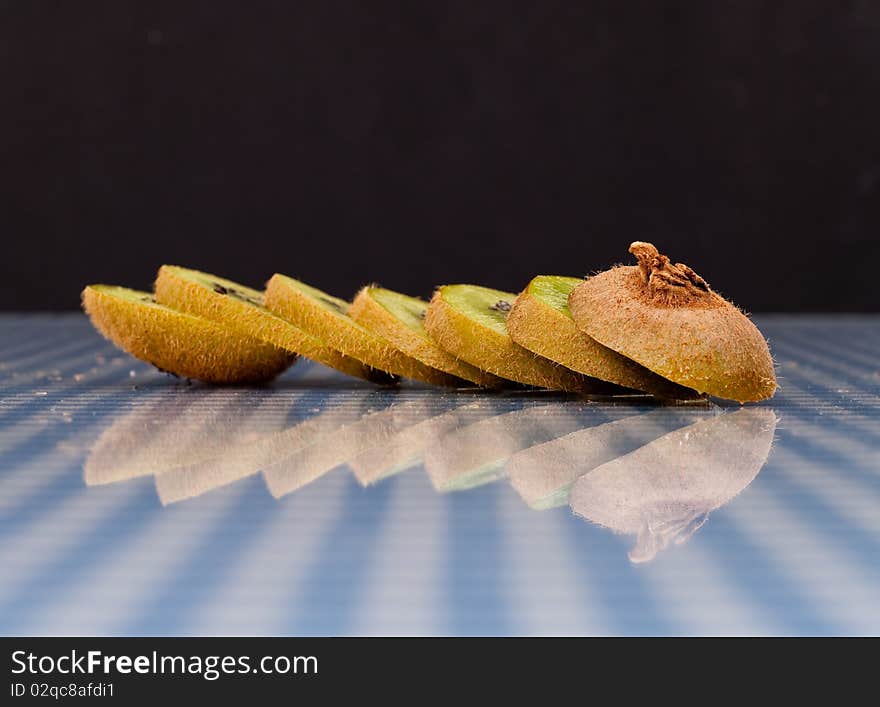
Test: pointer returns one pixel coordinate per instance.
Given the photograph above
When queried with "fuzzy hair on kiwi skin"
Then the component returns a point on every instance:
(179, 343)
(371, 314)
(551, 333)
(497, 353)
(240, 308)
(666, 317)
(285, 296)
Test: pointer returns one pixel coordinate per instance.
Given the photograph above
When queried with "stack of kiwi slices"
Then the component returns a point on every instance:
(654, 328)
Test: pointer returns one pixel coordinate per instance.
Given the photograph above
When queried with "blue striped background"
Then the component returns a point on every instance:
(796, 552)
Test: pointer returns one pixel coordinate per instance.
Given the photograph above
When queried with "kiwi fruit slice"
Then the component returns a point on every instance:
(667, 318)
(180, 343)
(664, 491)
(326, 317)
(470, 322)
(241, 310)
(400, 319)
(541, 322)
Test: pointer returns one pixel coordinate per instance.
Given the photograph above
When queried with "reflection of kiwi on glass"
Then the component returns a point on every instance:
(179, 343)
(193, 442)
(273, 440)
(406, 448)
(326, 318)
(540, 321)
(543, 475)
(179, 429)
(145, 440)
(663, 492)
(400, 319)
(236, 463)
(474, 454)
(667, 318)
(240, 309)
(341, 441)
(470, 323)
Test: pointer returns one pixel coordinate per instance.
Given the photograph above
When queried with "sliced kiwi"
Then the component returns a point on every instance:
(241, 310)
(180, 343)
(400, 319)
(470, 323)
(667, 318)
(541, 322)
(326, 317)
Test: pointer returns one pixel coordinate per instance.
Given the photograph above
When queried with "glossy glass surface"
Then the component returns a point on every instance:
(134, 503)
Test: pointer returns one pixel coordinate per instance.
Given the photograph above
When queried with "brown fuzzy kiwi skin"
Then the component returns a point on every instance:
(681, 330)
(179, 343)
(348, 337)
(248, 319)
(499, 354)
(548, 332)
(370, 314)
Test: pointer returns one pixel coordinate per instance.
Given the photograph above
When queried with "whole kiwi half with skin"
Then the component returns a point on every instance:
(241, 309)
(470, 323)
(180, 343)
(326, 318)
(540, 321)
(665, 317)
(401, 319)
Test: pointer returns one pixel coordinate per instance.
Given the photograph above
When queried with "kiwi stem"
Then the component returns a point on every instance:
(671, 284)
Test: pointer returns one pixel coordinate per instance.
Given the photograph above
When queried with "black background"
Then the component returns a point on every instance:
(419, 143)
